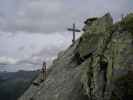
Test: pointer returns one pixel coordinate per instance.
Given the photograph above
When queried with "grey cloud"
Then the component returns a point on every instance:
(46, 54)
(32, 49)
(7, 61)
(26, 61)
(47, 16)
(21, 48)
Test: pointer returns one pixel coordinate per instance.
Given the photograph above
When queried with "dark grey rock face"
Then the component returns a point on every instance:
(89, 69)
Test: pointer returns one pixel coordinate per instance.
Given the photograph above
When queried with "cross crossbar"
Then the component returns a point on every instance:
(76, 30)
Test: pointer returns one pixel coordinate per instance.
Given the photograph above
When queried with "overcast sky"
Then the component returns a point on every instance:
(35, 30)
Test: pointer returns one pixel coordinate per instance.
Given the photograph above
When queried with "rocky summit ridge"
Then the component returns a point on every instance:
(99, 66)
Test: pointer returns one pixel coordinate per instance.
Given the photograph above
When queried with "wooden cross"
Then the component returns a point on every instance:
(73, 30)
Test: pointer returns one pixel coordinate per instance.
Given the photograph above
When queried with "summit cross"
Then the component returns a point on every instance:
(74, 30)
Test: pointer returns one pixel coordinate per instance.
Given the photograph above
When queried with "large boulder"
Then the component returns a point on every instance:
(94, 35)
(111, 61)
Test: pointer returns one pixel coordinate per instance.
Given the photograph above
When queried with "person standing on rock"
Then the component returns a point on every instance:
(43, 73)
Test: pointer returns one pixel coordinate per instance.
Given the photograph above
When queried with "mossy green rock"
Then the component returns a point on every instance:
(92, 68)
(127, 23)
(117, 47)
(94, 36)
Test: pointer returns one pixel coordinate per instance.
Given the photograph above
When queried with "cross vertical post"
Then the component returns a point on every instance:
(73, 34)
(73, 30)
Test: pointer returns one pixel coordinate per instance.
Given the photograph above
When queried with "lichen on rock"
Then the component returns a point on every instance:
(116, 46)
(95, 35)
(92, 68)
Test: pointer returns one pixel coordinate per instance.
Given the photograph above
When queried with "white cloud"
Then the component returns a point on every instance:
(48, 19)
(32, 49)
(7, 61)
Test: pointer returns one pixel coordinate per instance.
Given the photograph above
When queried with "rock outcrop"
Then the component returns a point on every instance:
(98, 66)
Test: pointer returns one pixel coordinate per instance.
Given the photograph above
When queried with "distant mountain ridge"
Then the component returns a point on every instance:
(13, 84)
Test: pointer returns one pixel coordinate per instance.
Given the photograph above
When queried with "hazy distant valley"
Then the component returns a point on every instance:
(13, 84)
